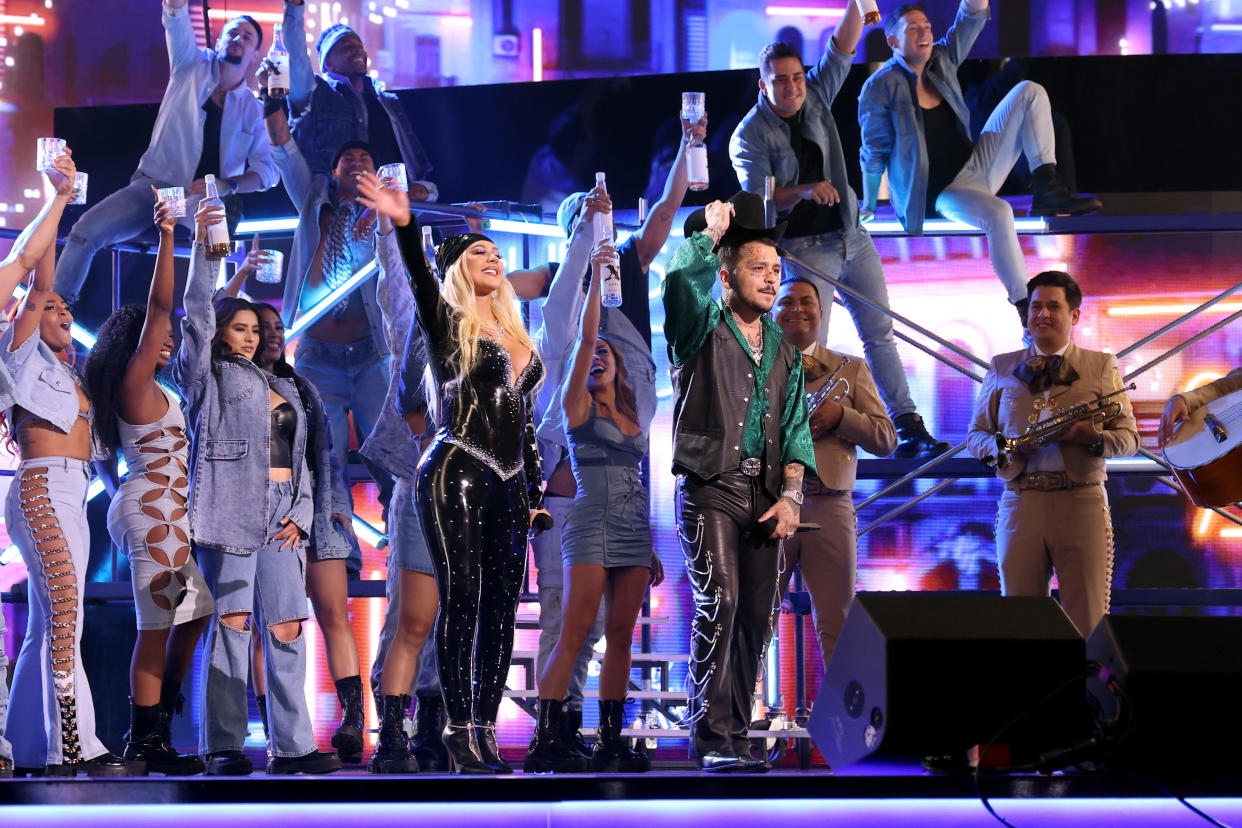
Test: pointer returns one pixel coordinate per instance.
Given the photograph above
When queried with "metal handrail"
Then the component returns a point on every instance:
(844, 288)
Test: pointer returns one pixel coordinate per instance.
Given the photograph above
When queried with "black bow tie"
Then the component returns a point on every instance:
(1041, 372)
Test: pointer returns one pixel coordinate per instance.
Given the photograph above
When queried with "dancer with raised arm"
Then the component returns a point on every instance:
(478, 487)
(147, 518)
(250, 433)
(51, 722)
(606, 544)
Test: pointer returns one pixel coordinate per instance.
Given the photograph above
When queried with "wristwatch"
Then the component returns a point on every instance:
(1098, 448)
(793, 494)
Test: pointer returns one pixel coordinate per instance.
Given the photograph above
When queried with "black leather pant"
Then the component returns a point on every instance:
(733, 576)
(476, 526)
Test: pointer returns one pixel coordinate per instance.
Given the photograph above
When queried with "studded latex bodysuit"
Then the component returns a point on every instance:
(475, 486)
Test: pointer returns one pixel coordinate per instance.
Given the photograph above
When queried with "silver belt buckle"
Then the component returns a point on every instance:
(751, 466)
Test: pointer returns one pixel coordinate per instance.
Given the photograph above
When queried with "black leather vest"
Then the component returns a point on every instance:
(713, 391)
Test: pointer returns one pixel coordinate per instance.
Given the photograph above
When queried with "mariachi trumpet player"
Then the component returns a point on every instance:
(845, 412)
(1053, 514)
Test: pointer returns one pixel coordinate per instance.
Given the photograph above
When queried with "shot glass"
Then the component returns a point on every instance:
(79, 188)
(49, 149)
(174, 197)
(271, 267)
(396, 172)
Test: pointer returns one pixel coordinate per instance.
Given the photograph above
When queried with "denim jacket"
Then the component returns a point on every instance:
(38, 380)
(892, 122)
(328, 112)
(310, 193)
(390, 443)
(177, 138)
(229, 416)
(760, 145)
(329, 488)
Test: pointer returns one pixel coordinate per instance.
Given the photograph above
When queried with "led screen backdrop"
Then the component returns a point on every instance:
(1133, 284)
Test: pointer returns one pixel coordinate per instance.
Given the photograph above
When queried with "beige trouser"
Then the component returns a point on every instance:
(828, 559)
(1068, 531)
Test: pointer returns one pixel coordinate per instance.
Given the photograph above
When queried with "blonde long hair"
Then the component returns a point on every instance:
(457, 291)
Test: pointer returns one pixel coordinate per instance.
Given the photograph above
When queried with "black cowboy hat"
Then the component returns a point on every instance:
(747, 223)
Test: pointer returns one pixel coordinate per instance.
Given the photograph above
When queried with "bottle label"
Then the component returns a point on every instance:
(280, 78)
(217, 233)
(696, 166)
(610, 283)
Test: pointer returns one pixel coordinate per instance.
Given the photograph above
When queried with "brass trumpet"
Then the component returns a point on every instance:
(829, 390)
(1040, 434)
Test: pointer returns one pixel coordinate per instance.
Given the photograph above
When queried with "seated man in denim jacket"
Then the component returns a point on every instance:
(790, 135)
(916, 125)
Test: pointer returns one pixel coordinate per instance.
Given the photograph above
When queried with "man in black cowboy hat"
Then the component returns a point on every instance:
(740, 447)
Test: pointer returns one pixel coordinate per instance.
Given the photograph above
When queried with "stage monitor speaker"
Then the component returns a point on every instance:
(1179, 684)
(919, 674)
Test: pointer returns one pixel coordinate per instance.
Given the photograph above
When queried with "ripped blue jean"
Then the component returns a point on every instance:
(270, 585)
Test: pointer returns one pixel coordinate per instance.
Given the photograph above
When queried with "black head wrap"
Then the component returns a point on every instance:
(450, 249)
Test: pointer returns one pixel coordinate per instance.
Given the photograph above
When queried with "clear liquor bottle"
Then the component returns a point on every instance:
(218, 246)
(869, 10)
(278, 81)
(610, 278)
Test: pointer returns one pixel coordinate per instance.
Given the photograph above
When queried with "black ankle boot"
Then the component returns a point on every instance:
(261, 703)
(548, 752)
(1052, 198)
(613, 752)
(427, 744)
(347, 738)
(489, 750)
(1024, 310)
(462, 745)
(571, 735)
(392, 751)
(149, 747)
(913, 441)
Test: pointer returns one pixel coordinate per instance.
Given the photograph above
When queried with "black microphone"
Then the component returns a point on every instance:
(542, 523)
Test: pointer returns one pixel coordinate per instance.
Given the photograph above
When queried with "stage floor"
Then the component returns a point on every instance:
(871, 794)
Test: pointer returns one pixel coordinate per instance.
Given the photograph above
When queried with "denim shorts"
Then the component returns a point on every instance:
(407, 547)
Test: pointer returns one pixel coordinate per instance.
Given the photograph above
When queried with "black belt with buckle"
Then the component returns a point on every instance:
(751, 466)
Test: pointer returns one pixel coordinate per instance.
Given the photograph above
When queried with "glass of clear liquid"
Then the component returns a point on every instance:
(174, 197)
(48, 150)
(396, 174)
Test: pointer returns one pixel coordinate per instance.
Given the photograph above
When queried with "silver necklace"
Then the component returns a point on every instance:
(756, 351)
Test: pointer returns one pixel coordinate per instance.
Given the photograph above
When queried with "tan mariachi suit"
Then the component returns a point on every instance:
(828, 558)
(1056, 518)
(1215, 389)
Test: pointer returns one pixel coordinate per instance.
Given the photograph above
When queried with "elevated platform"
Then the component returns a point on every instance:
(875, 795)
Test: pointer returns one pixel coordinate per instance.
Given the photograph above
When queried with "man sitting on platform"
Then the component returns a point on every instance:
(208, 122)
(790, 134)
(915, 124)
(848, 413)
(1054, 511)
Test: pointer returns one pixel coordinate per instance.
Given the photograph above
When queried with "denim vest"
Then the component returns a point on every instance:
(311, 192)
(37, 380)
(760, 145)
(892, 121)
(229, 416)
(331, 113)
